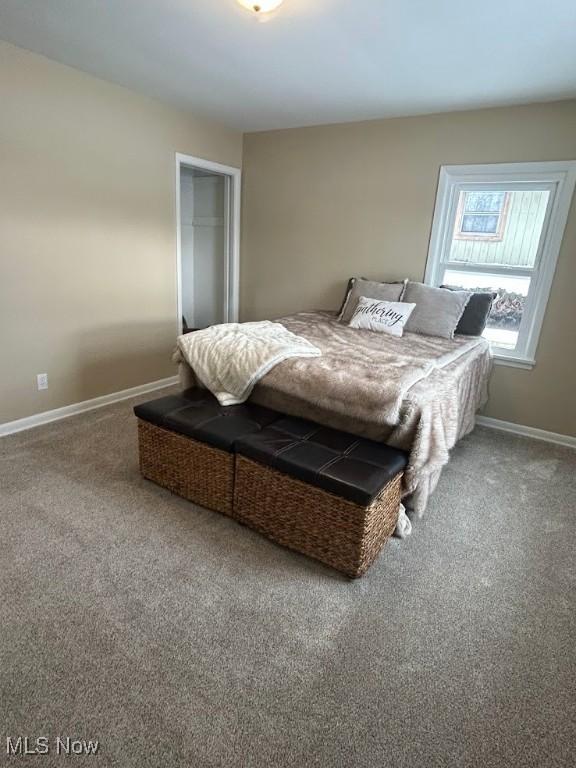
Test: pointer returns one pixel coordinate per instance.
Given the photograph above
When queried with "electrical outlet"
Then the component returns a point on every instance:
(42, 379)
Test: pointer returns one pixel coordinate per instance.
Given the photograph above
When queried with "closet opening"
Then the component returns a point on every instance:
(208, 237)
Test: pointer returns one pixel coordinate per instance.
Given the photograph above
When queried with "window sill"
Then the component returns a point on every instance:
(514, 362)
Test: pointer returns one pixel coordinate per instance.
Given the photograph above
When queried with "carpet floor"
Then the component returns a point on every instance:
(176, 637)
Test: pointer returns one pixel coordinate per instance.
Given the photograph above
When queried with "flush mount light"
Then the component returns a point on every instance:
(260, 6)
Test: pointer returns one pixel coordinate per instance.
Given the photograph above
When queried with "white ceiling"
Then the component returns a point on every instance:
(312, 61)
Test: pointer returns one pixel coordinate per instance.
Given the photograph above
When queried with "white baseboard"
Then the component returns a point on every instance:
(9, 427)
(533, 432)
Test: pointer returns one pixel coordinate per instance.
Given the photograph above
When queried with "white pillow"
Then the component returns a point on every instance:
(386, 316)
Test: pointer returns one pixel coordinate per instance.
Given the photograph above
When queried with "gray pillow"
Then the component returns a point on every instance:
(476, 312)
(371, 289)
(438, 310)
(345, 299)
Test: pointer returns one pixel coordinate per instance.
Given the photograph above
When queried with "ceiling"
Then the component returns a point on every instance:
(312, 61)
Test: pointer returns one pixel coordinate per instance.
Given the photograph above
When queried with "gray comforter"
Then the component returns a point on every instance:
(419, 393)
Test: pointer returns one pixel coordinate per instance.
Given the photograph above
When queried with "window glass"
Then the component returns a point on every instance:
(504, 321)
(499, 227)
(483, 202)
(479, 224)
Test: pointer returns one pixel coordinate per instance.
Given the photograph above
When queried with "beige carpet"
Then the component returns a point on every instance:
(178, 638)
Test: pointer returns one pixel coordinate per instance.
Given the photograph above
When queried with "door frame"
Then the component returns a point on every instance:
(232, 234)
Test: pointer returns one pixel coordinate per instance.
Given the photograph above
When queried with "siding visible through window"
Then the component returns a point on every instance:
(498, 228)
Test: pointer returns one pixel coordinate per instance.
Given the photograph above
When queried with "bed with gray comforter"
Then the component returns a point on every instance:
(419, 393)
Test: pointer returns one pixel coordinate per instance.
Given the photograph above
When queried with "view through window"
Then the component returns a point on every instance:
(498, 228)
(494, 248)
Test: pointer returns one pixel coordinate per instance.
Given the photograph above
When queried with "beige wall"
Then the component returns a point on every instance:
(87, 232)
(321, 204)
(87, 240)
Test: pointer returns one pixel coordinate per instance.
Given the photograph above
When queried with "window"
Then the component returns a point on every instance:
(481, 216)
(499, 228)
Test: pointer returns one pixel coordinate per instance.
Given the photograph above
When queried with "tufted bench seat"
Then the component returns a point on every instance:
(322, 492)
(325, 493)
(186, 444)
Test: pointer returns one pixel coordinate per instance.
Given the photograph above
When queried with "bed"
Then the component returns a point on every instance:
(418, 393)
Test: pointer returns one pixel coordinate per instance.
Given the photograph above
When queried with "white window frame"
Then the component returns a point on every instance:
(560, 178)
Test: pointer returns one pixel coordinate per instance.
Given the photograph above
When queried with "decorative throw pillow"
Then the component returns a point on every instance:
(345, 299)
(476, 312)
(371, 289)
(386, 316)
(437, 312)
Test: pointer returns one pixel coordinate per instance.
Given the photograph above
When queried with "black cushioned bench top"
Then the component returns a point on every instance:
(197, 414)
(350, 467)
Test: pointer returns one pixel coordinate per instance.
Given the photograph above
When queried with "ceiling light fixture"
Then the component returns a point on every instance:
(260, 6)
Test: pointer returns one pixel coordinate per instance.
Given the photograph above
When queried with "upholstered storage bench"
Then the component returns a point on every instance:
(322, 492)
(186, 441)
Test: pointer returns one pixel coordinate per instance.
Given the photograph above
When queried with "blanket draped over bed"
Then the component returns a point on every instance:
(230, 359)
(419, 393)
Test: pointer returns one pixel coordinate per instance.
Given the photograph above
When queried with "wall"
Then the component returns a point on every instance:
(321, 204)
(87, 232)
(209, 261)
(202, 247)
(187, 243)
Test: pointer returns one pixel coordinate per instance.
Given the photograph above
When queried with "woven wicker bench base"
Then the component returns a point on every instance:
(312, 521)
(197, 471)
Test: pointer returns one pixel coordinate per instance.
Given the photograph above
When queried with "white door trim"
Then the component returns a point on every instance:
(234, 176)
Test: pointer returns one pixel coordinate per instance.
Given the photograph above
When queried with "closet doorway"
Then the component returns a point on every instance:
(208, 242)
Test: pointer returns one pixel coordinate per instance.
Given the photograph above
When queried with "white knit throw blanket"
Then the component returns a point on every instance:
(229, 359)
